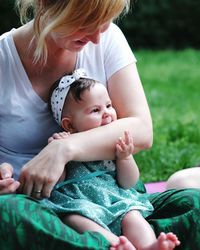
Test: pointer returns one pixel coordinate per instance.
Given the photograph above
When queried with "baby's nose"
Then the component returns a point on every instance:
(105, 114)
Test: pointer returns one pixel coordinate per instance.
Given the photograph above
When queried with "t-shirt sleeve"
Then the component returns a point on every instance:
(117, 52)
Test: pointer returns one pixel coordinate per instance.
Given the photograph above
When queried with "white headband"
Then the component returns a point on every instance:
(59, 94)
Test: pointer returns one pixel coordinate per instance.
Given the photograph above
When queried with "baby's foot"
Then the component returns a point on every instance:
(167, 241)
(123, 244)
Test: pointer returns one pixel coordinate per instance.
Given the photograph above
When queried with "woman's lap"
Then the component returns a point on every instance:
(25, 224)
(178, 211)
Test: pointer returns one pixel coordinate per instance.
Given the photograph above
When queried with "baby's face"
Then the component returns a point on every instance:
(94, 110)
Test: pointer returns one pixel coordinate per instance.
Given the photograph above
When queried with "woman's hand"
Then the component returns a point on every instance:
(39, 176)
(7, 183)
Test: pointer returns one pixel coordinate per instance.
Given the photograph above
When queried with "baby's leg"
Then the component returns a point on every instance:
(138, 230)
(81, 224)
(142, 236)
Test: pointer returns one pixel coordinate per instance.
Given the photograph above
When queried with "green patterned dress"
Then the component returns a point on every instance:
(91, 190)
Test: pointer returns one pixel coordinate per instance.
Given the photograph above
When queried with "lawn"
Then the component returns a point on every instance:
(171, 80)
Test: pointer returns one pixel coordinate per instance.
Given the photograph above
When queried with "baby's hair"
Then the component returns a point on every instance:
(76, 89)
(79, 86)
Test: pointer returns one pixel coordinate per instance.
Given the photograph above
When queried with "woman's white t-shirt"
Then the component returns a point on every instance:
(25, 120)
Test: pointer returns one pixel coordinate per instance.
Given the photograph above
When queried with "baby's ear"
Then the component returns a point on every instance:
(67, 125)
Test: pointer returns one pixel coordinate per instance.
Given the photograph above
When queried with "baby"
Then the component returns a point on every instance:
(100, 196)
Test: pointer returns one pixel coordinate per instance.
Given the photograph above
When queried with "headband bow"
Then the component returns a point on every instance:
(59, 94)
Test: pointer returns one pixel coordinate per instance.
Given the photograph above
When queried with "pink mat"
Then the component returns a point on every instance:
(154, 187)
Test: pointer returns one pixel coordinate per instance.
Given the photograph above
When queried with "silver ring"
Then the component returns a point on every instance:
(37, 192)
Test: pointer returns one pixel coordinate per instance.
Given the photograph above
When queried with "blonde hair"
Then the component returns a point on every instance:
(67, 17)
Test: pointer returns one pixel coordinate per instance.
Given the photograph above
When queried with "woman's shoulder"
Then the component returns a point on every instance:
(113, 33)
(4, 52)
(106, 54)
(114, 28)
(5, 44)
(5, 37)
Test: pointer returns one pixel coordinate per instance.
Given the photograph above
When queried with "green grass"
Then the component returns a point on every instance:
(171, 81)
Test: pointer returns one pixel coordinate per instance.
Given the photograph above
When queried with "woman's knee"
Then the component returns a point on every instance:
(186, 178)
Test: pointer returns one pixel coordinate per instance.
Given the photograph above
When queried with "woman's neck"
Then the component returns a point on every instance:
(26, 45)
(59, 62)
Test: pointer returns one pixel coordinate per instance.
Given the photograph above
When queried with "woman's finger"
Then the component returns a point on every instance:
(26, 185)
(37, 191)
(48, 186)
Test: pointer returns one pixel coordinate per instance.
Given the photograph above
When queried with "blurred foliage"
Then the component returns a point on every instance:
(150, 24)
(171, 83)
(163, 24)
(8, 17)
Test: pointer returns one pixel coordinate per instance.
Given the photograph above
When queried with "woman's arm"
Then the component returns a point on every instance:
(133, 113)
(128, 98)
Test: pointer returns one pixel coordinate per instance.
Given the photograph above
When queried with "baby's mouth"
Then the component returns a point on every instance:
(106, 121)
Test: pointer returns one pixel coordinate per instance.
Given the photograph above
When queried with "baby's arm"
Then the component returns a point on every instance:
(126, 167)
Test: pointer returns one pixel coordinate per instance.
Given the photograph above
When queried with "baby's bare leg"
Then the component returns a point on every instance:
(81, 224)
(142, 236)
(138, 230)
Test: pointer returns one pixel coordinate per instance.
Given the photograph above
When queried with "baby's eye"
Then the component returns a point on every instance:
(109, 105)
(95, 110)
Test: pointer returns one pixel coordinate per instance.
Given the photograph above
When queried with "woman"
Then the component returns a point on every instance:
(63, 36)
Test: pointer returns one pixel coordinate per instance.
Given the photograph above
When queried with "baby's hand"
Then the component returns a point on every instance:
(7, 183)
(125, 146)
(60, 135)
